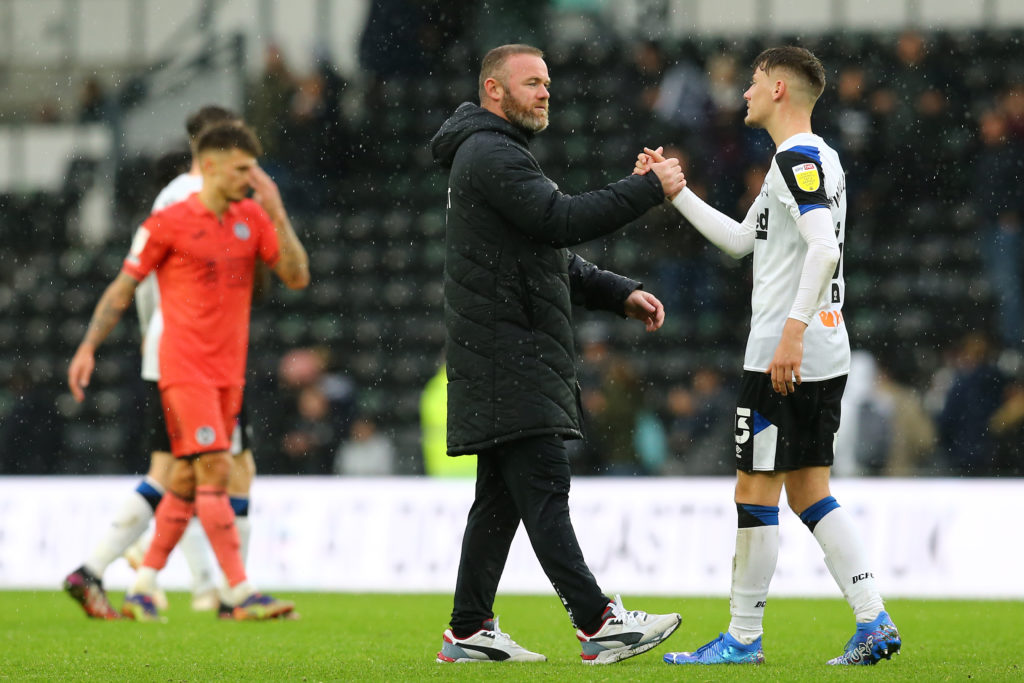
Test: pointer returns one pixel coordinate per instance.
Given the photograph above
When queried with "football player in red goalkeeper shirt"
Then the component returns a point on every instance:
(203, 251)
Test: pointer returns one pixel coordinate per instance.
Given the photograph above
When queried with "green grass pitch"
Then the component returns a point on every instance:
(359, 637)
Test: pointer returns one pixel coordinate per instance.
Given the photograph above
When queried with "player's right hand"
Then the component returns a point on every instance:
(79, 372)
(266, 193)
(668, 171)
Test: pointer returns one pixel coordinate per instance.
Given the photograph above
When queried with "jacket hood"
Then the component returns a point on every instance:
(470, 118)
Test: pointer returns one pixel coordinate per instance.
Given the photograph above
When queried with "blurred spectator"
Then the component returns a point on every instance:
(700, 420)
(896, 435)
(1007, 428)
(366, 452)
(47, 111)
(852, 117)
(611, 397)
(1011, 106)
(317, 415)
(309, 125)
(434, 431)
(725, 86)
(974, 396)
(268, 102)
(687, 282)
(684, 99)
(643, 71)
(404, 39)
(30, 434)
(995, 179)
(92, 101)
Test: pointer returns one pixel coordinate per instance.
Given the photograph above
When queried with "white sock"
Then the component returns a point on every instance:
(199, 557)
(846, 559)
(757, 552)
(244, 531)
(145, 582)
(128, 524)
(238, 594)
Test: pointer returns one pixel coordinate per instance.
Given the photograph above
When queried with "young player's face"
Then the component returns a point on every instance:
(228, 172)
(525, 98)
(758, 97)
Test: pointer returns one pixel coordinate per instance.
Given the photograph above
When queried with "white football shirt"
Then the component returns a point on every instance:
(805, 174)
(147, 294)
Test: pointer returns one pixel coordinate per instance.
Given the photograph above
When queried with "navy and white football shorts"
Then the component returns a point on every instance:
(777, 433)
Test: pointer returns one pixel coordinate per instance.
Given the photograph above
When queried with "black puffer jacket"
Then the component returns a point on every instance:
(510, 281)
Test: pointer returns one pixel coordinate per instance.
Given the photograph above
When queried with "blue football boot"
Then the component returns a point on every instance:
(873, 641)
(722, 650)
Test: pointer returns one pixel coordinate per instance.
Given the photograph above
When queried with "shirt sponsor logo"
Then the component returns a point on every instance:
(831, 318)
(205, 435)
(242, 231)
(761, 228)
(807, 178)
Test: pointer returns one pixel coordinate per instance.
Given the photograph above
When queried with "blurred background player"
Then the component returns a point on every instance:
(127, 533)
(216, 237)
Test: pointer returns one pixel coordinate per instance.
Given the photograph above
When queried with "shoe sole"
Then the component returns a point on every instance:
(673, 662)
(442, 659)
(128, 613)
(885, 651)
(619, 654)
(244, 615)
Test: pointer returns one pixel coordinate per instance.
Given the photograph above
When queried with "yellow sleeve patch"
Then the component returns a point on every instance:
(807, 177)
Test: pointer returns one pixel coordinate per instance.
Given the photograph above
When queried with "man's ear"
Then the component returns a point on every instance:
(494, 89)
(779, 90)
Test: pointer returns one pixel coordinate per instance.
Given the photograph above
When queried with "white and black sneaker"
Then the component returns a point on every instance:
(489, 644)
(625, 633)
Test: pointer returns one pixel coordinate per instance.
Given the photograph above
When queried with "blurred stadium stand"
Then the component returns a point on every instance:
(375, 230)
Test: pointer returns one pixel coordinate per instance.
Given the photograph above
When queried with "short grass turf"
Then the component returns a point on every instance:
(44, 635)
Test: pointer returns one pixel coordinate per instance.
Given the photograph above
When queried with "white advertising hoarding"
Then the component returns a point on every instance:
(654, 536)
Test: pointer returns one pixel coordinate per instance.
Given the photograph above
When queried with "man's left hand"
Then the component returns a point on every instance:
(644, 306)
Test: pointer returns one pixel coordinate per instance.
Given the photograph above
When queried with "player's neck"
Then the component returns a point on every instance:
(787, 123)
(213, 200)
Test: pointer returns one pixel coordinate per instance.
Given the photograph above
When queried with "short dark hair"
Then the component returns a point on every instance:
(798, 61)
(227, 136)
(209, 115)
(494, 62)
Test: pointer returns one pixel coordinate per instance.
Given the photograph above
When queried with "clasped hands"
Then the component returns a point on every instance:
(668, 170)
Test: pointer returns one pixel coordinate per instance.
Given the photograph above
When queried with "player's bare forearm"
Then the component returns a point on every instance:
(293, 262)
(111, 306)
(115, 301)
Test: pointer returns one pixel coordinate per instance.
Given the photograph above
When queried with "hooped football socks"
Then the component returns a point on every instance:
(757, 552)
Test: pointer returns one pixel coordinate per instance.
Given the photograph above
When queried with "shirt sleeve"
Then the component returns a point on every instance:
(150, 247)
(801, 169)
(517, 189)
(147, 301)
(735, 239)
(819, 263)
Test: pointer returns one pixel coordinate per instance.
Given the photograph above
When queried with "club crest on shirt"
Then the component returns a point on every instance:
(242, 230)
(205, 436)
(807, 178)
